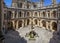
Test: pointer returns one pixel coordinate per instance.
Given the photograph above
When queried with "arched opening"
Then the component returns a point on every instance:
(9, 13)
(19, 24)
(10, 25)
(28, 5)
(54, 14)
(48, 13)
(36, 21)
(20, 14)
(28, 14)
(54, 26)
(28, 21)
(44, 23)
(35, 14)
(20, 5)
(44, 14)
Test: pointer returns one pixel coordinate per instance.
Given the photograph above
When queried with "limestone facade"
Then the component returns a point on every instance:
(22, 13)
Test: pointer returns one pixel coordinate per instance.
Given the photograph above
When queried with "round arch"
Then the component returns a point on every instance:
(19, 24)
(10, 25)
(35, 14)
(28, 13)
(54, 13)
(28, 21)
(21, 13)
(35, 21)
(43, 13)
(54, 26)
(44, 23)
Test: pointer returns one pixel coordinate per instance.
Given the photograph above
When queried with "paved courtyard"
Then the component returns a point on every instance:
(19, 36)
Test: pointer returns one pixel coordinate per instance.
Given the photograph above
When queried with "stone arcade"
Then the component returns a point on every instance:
(21, 12)
(25, 16)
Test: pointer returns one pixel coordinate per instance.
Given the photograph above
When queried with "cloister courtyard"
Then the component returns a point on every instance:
(28, 35)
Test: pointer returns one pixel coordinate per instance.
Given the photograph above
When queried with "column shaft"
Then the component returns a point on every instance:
(17, 15)
(13, 14)
(47, 25)
(17, 25)
(13, 24)
(23, 23)
(26, 22)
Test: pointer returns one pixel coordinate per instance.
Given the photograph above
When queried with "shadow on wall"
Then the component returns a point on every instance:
(55, 38)
(13, 37)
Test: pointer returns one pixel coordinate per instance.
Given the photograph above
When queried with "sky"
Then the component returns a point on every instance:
(46, 2)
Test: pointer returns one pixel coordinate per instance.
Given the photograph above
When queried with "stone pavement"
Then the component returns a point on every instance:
(18, 36)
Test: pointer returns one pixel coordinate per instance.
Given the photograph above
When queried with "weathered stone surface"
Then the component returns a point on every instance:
(18, 36)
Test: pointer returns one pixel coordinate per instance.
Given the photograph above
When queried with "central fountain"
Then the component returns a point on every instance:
(32, 34)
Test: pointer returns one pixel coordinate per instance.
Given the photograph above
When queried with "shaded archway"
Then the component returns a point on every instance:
(19, 24)
(28, 14)
(9, 14)
(10, 25)
(54, 14)
(28, 5)
(28, 21)
(54, 26)
(35, 21)
(44, 14)
(20, 5)
(44, 23)
(20, 14)
(35, 14)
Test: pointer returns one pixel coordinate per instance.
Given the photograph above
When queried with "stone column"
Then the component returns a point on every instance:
(58, 27)
(30, 14)
(33, 22)
(17, 15)
(13, 14)
(38, 14)
(46, 14)
(51, 14)
(41, 24)
(26, 22)
(50, 26)
(38, 23)
(33, 14)
(13, 24)
(41, 14)
(30, 22)
(17, 25)
(47, 25)
(23, 23)
(23, 14)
